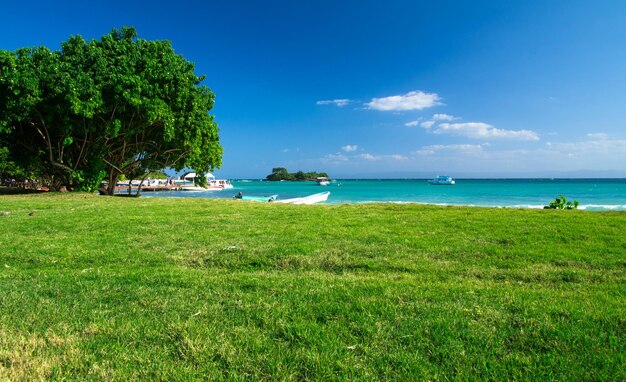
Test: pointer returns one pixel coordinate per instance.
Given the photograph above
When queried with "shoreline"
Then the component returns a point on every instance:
(582, 207)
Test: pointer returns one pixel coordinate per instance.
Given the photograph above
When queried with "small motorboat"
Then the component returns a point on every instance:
(322, 181)
(269, 198)
(311, 199)
(188, 182)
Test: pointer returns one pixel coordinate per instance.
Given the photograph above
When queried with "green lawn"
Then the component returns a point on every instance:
(111, 288)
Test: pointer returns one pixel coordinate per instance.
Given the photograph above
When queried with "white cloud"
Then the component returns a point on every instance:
(432, 121)
(334, 159)
(415, 100)
(599, 136)
(398, 157)
(424, 151)
(601, 154)
(480, 130)
(443, 117)
(427, 124)
(350, 148)
(337, 102)
(297, 149)
(599, 146)
(370, 157)
(459, 148)
(413, 123)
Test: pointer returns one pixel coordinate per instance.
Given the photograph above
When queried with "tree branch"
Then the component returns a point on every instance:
(112, 165)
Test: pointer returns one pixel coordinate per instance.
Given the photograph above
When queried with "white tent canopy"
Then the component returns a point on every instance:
(192, 175)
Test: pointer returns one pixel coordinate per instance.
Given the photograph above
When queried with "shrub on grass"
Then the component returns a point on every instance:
(561, 203)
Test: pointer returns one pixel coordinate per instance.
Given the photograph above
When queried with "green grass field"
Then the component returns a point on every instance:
(110, 288)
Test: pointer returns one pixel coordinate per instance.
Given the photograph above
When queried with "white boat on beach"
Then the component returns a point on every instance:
(188, 182)
(311, 199)
(442, 180)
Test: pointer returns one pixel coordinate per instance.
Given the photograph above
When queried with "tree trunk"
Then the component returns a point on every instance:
(138, 194)
(113, 176)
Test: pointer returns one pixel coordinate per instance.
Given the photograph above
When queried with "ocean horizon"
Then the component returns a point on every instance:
(594, 194)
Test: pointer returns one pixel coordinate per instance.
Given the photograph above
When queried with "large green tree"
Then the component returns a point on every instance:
(97, 109)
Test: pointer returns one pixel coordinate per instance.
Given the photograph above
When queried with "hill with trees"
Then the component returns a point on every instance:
(281, 173)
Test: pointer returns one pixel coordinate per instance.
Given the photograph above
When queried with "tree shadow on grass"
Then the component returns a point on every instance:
(19, 191)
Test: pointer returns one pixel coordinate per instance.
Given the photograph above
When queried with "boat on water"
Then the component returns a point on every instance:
(311, 199)
(442, 180)
(147, 185)
(189, 182)
(269, 198)
(223, 183)
(322, 181)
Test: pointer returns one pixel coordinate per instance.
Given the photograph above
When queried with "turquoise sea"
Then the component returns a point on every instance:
(593, 194)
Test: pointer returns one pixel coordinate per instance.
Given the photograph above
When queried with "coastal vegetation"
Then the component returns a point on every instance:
(561, 203)
(95, 288)
(281, 173)
(96, 110)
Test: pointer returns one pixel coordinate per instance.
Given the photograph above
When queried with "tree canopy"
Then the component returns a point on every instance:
(97, 109)
(281, 173)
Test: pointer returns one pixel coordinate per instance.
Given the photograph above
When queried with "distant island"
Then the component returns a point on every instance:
(281, 173)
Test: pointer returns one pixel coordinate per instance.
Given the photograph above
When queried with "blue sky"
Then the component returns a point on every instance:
(386, 88)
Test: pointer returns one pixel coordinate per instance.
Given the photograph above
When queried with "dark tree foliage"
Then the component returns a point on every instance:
(8, 168)
(300, 175)
(281, 173)
(97, 109)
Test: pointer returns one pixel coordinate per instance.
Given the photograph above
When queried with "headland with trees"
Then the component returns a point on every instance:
(281, 173)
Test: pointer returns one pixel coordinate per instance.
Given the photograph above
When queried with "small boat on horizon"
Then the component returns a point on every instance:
(322, 181)
(442, 180)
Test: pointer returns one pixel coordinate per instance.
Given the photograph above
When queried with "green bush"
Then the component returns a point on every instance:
(561, 203)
